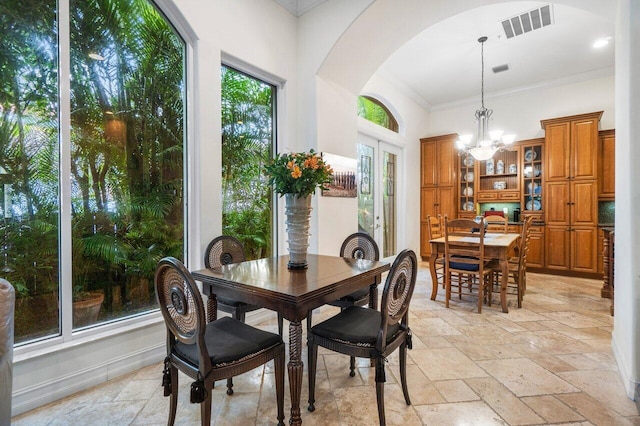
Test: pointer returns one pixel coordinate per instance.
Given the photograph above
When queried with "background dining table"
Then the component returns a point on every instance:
(496, 247)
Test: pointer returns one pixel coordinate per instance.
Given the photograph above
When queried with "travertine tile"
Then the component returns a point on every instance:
(421, 389)
(592, 410)
(574, 319)
(459, 413)
(446, 363)
(524, 377)
(551, 409)
(503, 402)
(492, 368)
(605, 386)
(456, 391)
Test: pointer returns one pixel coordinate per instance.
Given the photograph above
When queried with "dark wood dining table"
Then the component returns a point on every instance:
(496, 247)
(293, 293)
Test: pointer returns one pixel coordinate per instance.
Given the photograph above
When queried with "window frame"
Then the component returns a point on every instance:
(67, 336)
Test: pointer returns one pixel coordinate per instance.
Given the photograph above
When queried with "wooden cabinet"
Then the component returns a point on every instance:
(535, 257)
(438, 167)
(467, 193)
(570, 192)
(499, 177)
(607, 165)
(532, 178)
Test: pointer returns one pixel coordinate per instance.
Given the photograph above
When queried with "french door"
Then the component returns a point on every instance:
(378, 172)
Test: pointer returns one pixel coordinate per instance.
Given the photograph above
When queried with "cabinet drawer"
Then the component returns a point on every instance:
(509, 196)
(498, 195)
(537, 217)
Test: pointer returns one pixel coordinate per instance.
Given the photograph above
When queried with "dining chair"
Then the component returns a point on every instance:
(435, 229)
(224, 250)
(208, 351)
(464, 258)
(517, 281)
(496, 224)
(368, 333)
(356, 246)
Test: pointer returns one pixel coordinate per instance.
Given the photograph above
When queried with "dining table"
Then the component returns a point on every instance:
(293, 293)
(497, 246)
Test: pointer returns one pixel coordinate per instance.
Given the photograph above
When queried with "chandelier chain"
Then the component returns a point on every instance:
(482, 74)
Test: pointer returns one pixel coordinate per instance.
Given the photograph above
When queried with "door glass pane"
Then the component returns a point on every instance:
(366, 189)
(127, 139)
(389, 203)
(248, 114)
(29, 155)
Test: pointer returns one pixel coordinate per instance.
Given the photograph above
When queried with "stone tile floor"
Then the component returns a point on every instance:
(549, 362)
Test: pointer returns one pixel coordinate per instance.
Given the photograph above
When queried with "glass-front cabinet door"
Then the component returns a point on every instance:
(467, 187)
(532, 175)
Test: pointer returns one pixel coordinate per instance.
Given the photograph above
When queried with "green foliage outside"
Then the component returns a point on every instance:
(375, 113)
(126, 155)
(247, 146)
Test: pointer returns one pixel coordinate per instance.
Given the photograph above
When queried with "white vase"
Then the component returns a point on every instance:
(298, 212)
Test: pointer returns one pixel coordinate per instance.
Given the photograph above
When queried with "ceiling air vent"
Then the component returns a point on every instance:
(500, 68)
(528, 21)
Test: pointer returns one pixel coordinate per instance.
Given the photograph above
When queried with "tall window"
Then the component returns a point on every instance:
(375, 111)
(127, 137)
(248, 115)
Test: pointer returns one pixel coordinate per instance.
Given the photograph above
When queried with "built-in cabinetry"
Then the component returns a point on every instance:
(606, 165)
(532, 202)
(535, 257)
(438, 165)
(570, 192)
(467, 193)
(499, 177)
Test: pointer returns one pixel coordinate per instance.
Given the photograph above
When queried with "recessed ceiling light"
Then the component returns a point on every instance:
(601, 42)
(96, 56)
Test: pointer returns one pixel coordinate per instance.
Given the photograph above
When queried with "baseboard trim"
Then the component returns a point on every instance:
(54, 389)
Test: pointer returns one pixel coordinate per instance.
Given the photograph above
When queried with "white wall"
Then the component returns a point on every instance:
(521, 112)
(626, 339)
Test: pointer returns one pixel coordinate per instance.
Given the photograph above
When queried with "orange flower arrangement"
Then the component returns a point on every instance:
(298, 173)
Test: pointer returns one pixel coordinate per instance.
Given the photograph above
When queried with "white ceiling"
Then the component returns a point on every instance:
(441, 67)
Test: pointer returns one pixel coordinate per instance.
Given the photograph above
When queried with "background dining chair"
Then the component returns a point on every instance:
(368, 333)
(517, 281)
(496, 224)
(464, 260)
(356, 246)
(208, 351)
(225, 250)
(435, 229)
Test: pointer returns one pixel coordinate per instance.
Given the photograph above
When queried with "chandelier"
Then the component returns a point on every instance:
(487, 142)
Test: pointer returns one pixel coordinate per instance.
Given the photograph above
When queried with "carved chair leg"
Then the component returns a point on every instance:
(352, 366)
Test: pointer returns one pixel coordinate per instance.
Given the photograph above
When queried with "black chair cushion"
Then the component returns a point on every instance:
(354, 324)
(228, 340)
(356, 295)
(471, 267)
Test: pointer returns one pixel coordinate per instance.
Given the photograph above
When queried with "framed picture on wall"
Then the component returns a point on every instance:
(343, 183)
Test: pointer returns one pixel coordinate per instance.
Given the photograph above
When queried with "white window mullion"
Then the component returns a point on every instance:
(64, 86)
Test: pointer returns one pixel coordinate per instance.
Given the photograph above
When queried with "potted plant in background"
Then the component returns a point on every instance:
(296, 176)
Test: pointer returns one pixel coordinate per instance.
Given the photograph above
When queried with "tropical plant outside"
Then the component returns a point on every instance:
(247, 145)
(126, 156)
(298, 173)
(373, 110)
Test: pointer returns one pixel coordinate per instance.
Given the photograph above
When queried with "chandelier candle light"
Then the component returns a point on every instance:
(488, 142)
